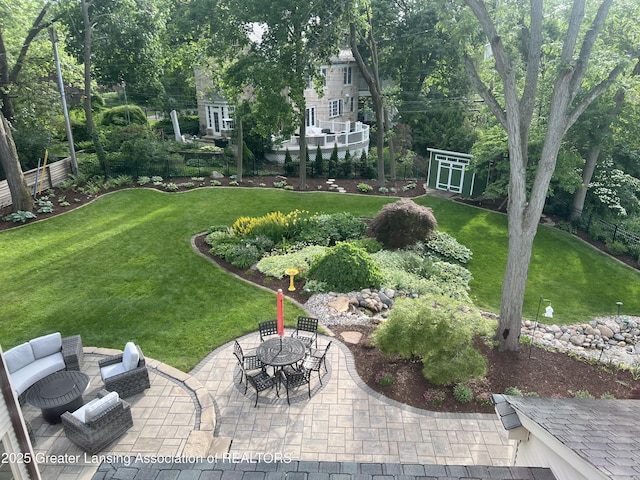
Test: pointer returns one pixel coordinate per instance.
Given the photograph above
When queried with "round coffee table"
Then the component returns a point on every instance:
(58, 393)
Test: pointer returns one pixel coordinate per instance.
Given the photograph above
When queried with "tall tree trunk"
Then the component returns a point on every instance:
(9, 76)
(20, 196)
(515, 117)
(302, 175)
(379, 108)
(88, 112)
(587, 174)
(388, 131)
(372, 78)
(5, 82)
(240, 159)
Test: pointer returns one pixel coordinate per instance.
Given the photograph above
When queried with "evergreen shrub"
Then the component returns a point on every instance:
(332, 167)
(345, 268)
(318, 163)
(124, 115)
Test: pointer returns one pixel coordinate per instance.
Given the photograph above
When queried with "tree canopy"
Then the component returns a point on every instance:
(538, 59)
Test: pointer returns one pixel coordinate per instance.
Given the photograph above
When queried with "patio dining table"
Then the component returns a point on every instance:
(280, 352)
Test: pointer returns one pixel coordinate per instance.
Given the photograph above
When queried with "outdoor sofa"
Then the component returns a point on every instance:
(33, 360)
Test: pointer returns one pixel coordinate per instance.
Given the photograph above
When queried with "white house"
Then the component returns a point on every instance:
(577, 439)
(331, 118)
(18, 461)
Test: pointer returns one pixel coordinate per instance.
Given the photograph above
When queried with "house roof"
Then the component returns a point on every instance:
(313, 470)
(603, 433)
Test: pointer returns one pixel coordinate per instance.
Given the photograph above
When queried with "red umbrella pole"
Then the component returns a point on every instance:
(280, 313)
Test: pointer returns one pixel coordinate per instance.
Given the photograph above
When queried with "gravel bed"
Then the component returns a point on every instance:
(318, 306)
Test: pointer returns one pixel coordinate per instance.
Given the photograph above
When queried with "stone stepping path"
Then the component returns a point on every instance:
(351, 337)
(332, 185)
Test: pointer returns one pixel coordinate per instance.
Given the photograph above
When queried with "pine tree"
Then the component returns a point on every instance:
(288, 164)
(333, 162)
(347, 165)
(318, 163)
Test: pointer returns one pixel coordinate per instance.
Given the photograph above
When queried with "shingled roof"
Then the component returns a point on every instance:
(308, 470)
(605, 434)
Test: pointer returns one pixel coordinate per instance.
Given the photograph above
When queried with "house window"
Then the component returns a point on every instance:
(228, 122)
(310, 115)
(335, 108)
(324, 71)
(347, 75)
(352, 101)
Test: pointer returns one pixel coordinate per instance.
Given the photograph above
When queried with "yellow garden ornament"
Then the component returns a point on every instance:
(292, 272)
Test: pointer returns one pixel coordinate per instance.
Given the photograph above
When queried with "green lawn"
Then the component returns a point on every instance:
(123, 269)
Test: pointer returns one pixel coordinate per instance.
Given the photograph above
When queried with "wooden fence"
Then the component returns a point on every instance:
(52, 175)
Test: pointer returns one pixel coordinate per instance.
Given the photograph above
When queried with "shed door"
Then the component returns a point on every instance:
(450, 176)
(214, 118)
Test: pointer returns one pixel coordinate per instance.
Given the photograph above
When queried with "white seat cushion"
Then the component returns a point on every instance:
(97, 406)
(79, 413)
(18, 357)
(130, 356)
(110, 370)
(36, 370)
(46, 345)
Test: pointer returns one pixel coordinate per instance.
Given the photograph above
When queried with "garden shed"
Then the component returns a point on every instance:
(451, 171)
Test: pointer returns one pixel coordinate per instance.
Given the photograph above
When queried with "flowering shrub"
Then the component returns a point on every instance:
(434, 396)
(274, 225)
(384, 379)
(484, 399)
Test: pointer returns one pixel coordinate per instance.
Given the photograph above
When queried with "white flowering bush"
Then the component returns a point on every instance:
(616, 190)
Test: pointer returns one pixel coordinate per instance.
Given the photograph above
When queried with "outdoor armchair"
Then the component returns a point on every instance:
(315, 360)
(125, 373)
(247, 362)
(267, 328)
(98, 423)
(293, 378)
(259, 381)
(307, 331)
